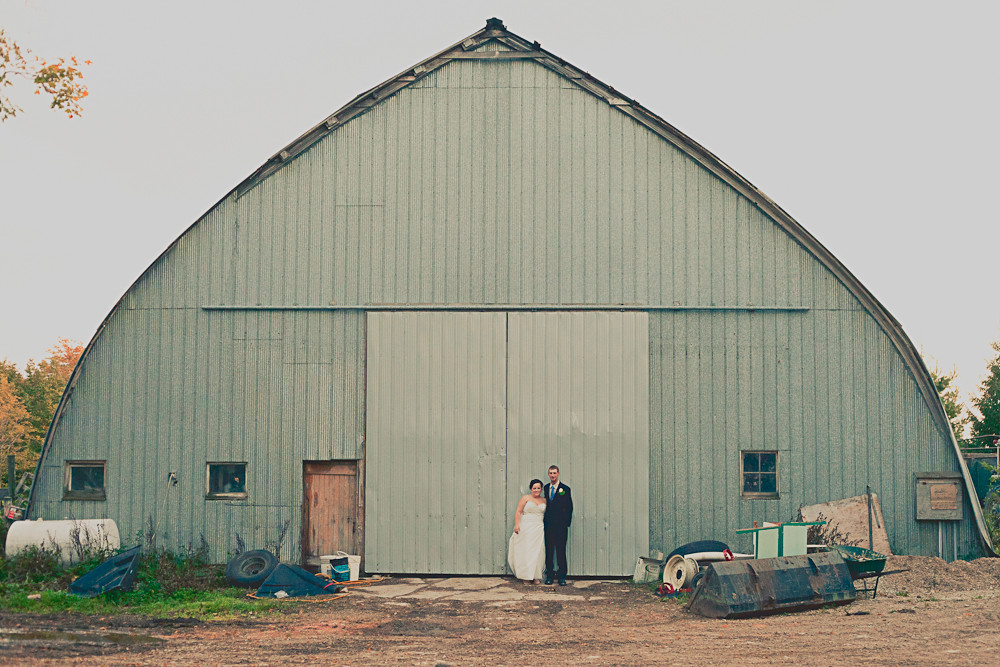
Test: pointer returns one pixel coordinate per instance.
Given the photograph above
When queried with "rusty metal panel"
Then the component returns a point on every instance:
(579, 398)
(436, 445)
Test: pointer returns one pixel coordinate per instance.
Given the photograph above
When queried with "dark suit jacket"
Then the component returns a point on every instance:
(559, 510)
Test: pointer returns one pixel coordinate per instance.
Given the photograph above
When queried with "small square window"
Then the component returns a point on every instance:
(759, 474)
(227, 480)
(84, 480)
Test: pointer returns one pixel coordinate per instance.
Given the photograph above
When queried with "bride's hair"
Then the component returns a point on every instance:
(533, 482)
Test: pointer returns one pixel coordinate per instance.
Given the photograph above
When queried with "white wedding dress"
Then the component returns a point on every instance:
(526, 552)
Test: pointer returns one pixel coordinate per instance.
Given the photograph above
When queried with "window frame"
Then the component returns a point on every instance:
(79, 494)
(760, 495)
(225, 495)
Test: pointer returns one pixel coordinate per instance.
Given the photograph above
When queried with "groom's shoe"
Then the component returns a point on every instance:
(562, 582)
(548, 581)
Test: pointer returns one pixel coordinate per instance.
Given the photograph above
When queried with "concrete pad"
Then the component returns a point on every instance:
(542, 596)
(587, 583)
(489, 595)
(413, 580)
(429, 594)
(470, 583)
(389, 591)
(597, 597)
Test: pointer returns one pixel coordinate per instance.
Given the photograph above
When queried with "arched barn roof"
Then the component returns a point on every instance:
(522, 49)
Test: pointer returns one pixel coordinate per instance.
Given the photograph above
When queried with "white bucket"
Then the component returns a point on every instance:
(95, 534)
(647, 570)
(324, 564)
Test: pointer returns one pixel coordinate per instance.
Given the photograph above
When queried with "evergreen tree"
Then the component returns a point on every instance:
(985, 415)
(948, 391)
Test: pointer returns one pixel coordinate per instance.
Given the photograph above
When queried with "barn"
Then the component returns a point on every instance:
(487, 264)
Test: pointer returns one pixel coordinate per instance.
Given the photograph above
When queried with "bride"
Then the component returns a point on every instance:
(526, 552)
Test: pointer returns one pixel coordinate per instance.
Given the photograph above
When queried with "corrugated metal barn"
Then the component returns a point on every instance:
(487, 264)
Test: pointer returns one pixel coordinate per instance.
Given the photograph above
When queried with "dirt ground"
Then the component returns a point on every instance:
(936, 613)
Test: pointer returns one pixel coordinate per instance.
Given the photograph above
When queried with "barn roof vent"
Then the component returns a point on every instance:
(495, 24)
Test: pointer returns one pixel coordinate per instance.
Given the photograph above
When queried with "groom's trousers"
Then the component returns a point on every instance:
(555, 551)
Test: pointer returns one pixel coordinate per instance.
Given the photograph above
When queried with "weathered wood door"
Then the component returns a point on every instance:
(330, 509)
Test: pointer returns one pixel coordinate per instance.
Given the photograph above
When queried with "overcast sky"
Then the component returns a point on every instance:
(874, 124)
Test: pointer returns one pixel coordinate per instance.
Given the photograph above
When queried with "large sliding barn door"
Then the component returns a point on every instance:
(447, 460)
(436, 466)
(579, 398)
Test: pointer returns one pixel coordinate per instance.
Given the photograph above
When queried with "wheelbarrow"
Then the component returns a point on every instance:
(864, 565)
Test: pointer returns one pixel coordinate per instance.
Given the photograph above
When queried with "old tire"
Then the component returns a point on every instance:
(699, 546)
(251, 568)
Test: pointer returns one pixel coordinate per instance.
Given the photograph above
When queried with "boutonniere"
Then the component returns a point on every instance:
(561, 491)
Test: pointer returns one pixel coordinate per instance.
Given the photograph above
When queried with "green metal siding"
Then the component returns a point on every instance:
(465, 408)
(500, 183)
(436, 470)
(168, 390)
(489, 182)
(578, 388)
(823, 388)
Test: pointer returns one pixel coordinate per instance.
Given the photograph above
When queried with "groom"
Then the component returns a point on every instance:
(558, 516)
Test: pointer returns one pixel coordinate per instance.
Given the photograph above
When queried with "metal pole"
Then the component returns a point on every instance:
(940, 541)
(871, 538)
(954, 540)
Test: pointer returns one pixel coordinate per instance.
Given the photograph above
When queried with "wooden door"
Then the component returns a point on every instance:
(330, 509)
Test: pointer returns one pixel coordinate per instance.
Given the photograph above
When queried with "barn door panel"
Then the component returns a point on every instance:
(579, 398)
(435, 445)
(330, 508)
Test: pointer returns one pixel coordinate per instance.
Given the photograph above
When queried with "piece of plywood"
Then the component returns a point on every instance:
(850, 517)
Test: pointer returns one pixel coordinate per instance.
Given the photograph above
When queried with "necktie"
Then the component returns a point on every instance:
(552, 493)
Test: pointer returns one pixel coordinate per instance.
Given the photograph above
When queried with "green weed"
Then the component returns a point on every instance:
(167, 584)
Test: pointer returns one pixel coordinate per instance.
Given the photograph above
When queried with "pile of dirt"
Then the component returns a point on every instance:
(928, 575)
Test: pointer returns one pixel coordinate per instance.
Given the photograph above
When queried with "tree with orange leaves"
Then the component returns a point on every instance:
(43, 386)
(59, 80)
(34, 396)
(15, 427)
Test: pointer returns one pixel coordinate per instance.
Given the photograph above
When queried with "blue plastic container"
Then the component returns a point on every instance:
(340, 568)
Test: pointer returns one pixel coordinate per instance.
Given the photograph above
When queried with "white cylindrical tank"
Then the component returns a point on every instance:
(69, 536)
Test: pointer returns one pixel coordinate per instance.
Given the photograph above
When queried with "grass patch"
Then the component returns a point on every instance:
(222, 604)
(167, 585)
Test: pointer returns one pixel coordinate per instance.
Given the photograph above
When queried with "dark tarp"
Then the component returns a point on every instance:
(296, 582)
(115, 574)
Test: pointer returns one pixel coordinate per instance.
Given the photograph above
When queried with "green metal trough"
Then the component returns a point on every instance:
(747, 588)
